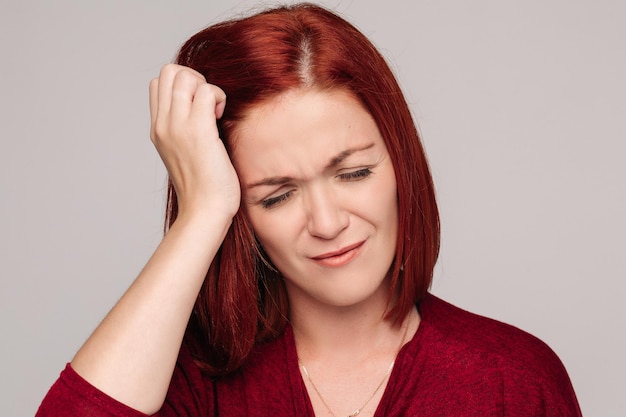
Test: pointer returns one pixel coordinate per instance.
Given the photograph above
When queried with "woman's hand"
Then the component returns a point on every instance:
(132, 353)
(184, 109)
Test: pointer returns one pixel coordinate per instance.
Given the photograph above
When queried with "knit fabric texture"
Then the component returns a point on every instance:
(457, 364)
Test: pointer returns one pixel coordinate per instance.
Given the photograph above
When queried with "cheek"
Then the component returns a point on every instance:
(379, 201)
(273, 231)
(385, 204)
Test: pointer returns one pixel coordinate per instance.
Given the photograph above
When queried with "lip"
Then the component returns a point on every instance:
(339, 257)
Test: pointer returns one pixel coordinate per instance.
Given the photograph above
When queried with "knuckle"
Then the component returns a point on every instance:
(186, 81)
(169, 69)
(159, 130)
(182, 75)
(205, 90)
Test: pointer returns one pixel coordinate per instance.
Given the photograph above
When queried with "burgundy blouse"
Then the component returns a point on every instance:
(458, 364)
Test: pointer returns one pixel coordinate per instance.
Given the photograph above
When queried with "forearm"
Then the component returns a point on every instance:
(132, 353)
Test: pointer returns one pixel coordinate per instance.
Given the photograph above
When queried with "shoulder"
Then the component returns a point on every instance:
(484, 336)
(514, 365)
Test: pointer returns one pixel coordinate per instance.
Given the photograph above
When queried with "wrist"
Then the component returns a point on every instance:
(204, 218)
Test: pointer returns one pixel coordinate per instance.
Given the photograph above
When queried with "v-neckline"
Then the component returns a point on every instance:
(302, 404)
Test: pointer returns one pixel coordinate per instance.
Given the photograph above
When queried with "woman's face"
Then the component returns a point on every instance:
(320, 191)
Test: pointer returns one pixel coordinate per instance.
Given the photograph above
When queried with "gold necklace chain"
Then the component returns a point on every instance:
(358, 410)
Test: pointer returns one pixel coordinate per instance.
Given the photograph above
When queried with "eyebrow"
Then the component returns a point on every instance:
(334, 161)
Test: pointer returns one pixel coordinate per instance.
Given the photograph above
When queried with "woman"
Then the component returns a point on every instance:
(298, 181)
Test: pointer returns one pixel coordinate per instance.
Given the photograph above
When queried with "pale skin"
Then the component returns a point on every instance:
(340, 332)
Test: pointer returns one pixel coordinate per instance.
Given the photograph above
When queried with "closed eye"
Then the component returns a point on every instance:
(272, 201)
(347, 176)
(356, 175)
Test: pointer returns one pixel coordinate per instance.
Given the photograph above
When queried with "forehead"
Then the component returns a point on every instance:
(303, 104)
(300, 130)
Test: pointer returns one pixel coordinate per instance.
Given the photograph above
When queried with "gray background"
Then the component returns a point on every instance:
(521, 104)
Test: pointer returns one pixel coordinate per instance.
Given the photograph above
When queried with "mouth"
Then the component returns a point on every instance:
(339, 257)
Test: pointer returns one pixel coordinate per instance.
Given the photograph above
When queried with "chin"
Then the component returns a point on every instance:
(351, 299)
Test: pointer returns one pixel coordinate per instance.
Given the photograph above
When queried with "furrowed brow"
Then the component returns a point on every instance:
(343, 155)
(270, 181)
(336, 160)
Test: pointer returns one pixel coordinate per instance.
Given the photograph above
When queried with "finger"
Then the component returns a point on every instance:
(220, 103)
(209, 100)
(184, 89)
(164, 93)
(154, 97)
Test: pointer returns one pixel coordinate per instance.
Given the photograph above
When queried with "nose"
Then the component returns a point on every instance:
(326, 217)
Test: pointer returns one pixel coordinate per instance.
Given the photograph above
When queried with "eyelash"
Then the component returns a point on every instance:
(356, 175)
(348, 176)
(272, 201)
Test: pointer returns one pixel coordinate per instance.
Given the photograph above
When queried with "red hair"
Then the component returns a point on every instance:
(243, 301)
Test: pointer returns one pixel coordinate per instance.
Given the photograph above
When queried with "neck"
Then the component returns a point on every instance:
(346, 355)
(348, 334)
